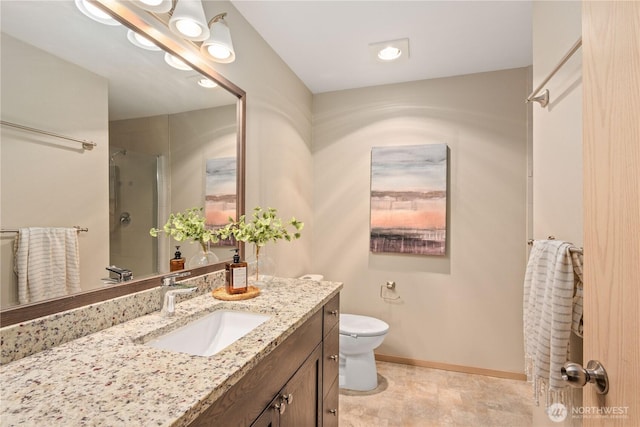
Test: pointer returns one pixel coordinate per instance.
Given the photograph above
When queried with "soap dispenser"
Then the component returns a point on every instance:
(177, 263)
(236, 275)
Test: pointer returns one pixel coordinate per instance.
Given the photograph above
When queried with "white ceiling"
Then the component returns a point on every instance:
(325, 43)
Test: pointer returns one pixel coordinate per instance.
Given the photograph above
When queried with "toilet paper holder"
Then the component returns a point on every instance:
(391, 286)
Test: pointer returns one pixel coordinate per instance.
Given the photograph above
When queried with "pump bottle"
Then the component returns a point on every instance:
(236, 275)
(177, 263)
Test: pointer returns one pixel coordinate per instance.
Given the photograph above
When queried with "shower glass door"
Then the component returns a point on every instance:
(133, 211)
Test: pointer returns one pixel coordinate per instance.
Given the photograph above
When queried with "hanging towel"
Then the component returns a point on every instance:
(47, 262)
(548, 300)
(577, 323)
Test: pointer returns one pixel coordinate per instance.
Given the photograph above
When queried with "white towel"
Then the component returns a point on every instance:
(548, 302)
(577, 325)
(47, 262)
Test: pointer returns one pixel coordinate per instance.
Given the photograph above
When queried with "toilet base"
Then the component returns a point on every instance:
(358, 372)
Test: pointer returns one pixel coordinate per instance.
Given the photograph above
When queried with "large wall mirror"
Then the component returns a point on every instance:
(161, 139)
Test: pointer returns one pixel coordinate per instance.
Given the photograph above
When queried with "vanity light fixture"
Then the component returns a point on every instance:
(219, 46)
(141, 41)
(95, 13)
(155, 6)
(390, 51)
(188, 20)
(176, 62)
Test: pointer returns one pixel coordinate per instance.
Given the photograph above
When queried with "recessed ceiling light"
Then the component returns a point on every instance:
(207, 83)
(390, 51)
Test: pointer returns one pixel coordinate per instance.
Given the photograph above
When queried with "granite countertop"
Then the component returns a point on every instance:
(108, 379)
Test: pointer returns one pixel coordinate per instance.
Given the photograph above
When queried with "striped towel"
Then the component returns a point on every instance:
(577, 323)
(47, 262)
(548, 308)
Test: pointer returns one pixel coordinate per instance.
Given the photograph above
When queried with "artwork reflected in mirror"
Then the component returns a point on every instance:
(154, 130)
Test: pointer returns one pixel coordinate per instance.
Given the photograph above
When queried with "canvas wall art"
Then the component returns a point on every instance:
(409, 199)
(220, 194)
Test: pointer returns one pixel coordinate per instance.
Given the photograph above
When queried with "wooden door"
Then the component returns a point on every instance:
(611, 117)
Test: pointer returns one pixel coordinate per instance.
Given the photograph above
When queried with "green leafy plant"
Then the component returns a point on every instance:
(264, 226)
(186, 225)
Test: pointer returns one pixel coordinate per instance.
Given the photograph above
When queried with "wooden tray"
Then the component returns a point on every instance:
(221, 293)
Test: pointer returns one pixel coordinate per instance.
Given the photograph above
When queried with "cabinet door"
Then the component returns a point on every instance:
(269, 417)
(330, 411)
(302, 394)
(331, 358)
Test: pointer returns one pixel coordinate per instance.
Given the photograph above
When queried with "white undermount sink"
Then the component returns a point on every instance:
(210, 334)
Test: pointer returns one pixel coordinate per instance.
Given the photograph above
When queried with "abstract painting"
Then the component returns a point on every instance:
(220, 194)
(409, 199)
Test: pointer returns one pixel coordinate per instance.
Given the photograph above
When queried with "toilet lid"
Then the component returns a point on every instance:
(363, 326)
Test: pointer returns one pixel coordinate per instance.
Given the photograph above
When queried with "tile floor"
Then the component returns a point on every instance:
(410, 396)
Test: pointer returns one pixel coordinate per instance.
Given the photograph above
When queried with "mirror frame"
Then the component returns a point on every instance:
(154, 28)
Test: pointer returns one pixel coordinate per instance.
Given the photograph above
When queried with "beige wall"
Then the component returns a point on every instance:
(279, 158)
(464, 308)
(136, 172)
(557, 129)
(42, 91)
(216, 138)
(557, 140)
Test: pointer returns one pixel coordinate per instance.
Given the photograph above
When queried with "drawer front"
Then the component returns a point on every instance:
(331, 358)
(330, 407)
(331, 314)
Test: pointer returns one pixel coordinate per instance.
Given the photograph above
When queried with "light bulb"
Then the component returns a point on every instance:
(188, 27)
(389, 53)
(219, 52)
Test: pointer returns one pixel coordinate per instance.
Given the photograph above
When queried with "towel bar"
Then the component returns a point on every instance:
(15, 230)
(571, 249)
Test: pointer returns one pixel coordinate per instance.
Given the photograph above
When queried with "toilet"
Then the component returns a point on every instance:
(359, 336)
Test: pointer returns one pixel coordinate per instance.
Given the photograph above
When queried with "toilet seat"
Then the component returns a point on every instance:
(355, 326)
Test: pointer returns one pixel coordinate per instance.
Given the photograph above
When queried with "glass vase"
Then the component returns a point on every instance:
(203, 257)
(261, 267)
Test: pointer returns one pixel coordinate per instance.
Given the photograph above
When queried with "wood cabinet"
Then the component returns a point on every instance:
(331, 362)
(296, 385)
(298, 402)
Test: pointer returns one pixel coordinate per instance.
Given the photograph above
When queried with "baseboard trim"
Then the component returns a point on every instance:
(450, 367)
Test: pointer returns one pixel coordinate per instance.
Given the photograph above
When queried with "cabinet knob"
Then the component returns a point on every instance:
(334, 312)
(280, 407)
(288, 398)
(334, 357)
(333, 412)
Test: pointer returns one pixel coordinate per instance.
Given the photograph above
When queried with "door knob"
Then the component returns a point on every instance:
(577, 376)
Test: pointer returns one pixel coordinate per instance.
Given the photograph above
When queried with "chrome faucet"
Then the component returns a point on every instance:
(169, 281)
(122, 274)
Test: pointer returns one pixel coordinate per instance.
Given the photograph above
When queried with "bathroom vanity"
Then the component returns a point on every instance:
(282, 373)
